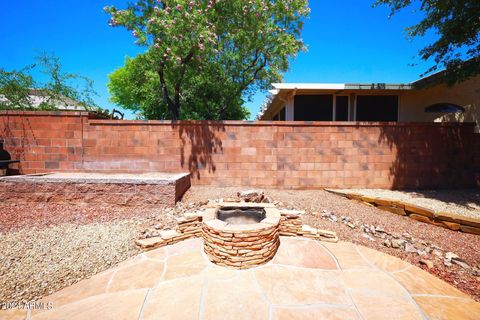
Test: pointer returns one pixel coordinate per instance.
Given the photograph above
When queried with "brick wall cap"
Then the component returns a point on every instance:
(221, 124)
(44, 113)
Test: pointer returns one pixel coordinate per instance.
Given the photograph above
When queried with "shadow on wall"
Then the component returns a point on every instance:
(199, 140)
(431, 156)
(17, 145)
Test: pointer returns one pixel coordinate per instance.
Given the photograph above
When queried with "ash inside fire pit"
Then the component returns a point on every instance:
(239, 215)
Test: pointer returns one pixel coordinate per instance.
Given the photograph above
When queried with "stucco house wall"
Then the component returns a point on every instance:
(466, 94)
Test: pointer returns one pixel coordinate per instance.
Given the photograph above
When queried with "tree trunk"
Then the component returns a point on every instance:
(173, 106)
(176, 109)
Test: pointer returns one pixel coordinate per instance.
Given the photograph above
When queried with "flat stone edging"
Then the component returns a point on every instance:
(447, 220)
(195, 224)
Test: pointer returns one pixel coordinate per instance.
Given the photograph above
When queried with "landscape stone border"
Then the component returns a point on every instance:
(447, 220)
(264, 240)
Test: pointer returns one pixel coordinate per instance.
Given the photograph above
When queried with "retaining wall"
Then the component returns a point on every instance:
(163, 193)
(263, 154)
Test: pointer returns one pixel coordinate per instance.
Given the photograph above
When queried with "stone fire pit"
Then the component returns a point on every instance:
(241, 235)
(238, 234)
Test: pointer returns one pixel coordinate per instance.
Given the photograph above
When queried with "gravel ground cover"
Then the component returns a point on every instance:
(45, 247)
(463, 202)
(39, 261)
(14, 216)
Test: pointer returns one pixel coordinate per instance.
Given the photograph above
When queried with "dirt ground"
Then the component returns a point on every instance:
(45, 247)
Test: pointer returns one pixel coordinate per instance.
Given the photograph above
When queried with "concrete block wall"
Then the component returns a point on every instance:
(263, 154)
(44, 141)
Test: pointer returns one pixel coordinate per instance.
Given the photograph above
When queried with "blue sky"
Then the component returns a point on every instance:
(348, 41)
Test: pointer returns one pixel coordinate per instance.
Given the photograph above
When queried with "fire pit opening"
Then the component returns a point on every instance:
(240, 215)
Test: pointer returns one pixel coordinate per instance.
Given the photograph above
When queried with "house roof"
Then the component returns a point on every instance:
(61, 102)
(341, 86)
(280, 90)
(311, 86)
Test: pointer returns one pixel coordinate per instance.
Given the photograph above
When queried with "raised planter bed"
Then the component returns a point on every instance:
(160, 189)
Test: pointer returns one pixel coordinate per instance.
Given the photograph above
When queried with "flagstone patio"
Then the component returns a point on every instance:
(307, 279)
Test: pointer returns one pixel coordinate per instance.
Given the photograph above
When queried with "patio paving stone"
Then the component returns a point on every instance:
(377, 306)
(185, 246)
(216, 272)
(443, 308)
(165, 300)
(179, 282)
(238, 298)
(157, 254)
(382, 261)
(128, 277)
(184, 265)
(305, 286)
(93, 286)
(372, 280)
(13, 314)
(122, 305)
(306, 254)
(417, 281)
(347, 255)
(323, 312)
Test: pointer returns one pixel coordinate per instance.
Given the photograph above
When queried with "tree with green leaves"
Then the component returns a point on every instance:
(135, 86)
(19, 90)
(207, 55)
(457, 24)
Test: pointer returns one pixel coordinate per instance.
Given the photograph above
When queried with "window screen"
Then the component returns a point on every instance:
(377, 108)
(313, 107)
(341, 108)
(280, 116)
